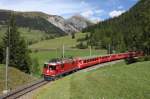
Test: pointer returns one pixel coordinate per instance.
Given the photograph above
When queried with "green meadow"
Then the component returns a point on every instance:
(67, 41)
(118, 81)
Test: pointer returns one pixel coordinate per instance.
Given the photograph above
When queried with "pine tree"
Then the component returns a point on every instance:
(18, 51)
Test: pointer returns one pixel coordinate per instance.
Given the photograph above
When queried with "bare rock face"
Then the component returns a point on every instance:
(79, 22)
(61, 23)
(71, 25)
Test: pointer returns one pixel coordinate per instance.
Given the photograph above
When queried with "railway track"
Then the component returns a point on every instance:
(25, 89)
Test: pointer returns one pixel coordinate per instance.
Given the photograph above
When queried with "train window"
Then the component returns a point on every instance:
(84, 61)
(52, 67)
(45, 65)
(62, 65)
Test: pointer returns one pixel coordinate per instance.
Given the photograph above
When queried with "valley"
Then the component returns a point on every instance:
(40, 42)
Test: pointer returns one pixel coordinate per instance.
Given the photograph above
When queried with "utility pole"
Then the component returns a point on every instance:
(63, 50)
(90, 51)
(109, 49)
(56, 53)
(7, 62)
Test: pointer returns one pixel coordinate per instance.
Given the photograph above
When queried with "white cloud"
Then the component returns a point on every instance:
(93, 14)
(87, 13)
(96, 19)
(116, 13)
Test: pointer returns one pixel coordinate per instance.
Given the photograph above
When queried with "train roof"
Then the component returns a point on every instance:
(59, 61)
(96, 56)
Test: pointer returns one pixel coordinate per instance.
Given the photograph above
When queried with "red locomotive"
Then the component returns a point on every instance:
(56, 68)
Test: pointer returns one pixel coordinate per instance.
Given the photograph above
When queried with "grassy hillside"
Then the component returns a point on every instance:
(32, 36)
(58, 42)
(16, 78)
(119, 81)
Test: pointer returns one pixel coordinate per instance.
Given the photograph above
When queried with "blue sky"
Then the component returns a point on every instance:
(92, 9)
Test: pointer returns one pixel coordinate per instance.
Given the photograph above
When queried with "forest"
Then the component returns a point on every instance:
(130, 31)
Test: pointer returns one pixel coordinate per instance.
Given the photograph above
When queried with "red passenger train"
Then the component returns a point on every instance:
(56, 68)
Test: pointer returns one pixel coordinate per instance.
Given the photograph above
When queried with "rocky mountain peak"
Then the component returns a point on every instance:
(79, 22)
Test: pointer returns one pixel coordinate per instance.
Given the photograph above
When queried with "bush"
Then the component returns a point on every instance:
(35, 68)
(140, 59)
(144, 58)
(81, 46)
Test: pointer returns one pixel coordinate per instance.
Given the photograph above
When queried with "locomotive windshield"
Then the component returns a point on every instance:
(52, 67)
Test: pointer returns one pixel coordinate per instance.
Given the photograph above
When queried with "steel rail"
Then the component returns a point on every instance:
(23, 90)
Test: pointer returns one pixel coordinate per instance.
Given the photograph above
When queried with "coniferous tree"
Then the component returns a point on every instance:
(18, 51)
(73, 35)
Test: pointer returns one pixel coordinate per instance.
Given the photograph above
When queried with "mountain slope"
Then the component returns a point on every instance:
(62, 24)
(32, 20)
(51, 24)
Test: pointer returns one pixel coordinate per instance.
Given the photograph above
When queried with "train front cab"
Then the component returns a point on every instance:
(49, 72)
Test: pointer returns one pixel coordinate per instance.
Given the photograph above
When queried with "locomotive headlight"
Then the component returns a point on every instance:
(47, 71)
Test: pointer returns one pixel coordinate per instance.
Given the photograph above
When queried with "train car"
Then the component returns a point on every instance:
(53, 69)
(84, 63)
(139, 53)
(113, 57)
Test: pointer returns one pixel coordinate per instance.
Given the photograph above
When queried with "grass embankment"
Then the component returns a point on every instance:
(58, 42)
(119, 81)
(16, 78)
